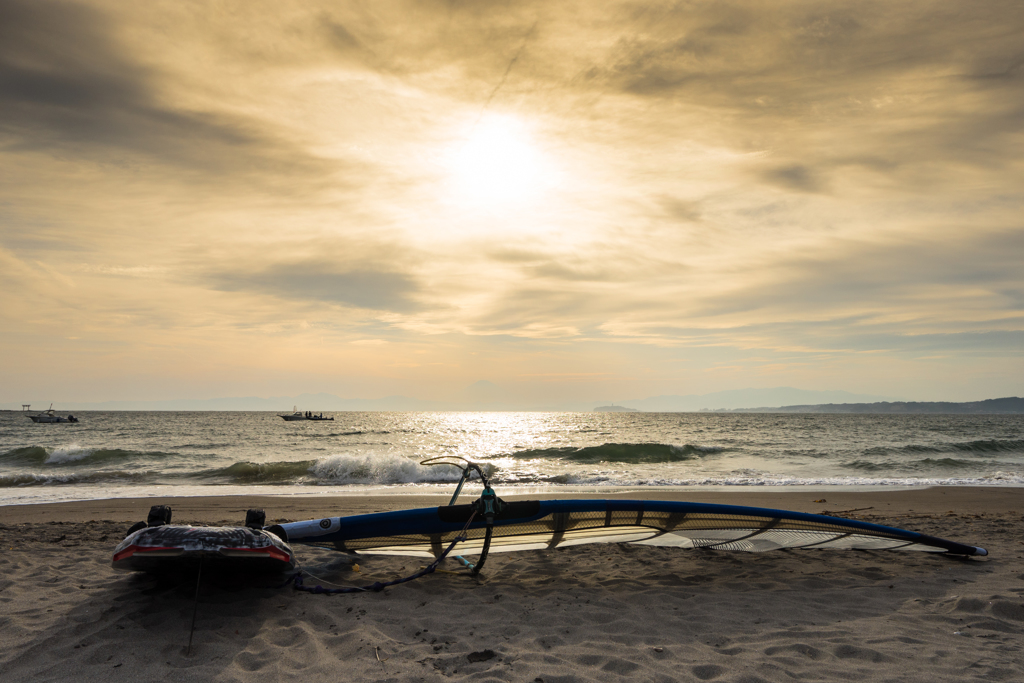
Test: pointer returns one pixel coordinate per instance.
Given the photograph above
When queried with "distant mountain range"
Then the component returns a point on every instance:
(487, 396)
(990, 406)
(742, 398)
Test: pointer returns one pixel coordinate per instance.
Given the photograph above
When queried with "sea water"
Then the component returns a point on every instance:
(127, 454)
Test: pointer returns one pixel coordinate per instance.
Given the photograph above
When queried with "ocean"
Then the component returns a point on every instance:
(132, 454)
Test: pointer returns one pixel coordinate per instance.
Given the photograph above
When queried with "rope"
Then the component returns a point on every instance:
(296, 578)
(488, 505)
(195, 608)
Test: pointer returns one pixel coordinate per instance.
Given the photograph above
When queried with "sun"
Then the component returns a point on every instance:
(499, 164)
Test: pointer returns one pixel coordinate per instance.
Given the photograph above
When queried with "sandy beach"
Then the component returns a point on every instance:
(596, 612)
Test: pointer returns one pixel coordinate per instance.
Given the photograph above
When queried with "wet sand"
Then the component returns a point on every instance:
(596, 612)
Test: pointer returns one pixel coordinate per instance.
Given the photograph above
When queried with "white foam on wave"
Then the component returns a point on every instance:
(378, 468)
(37, 479)
(68, 453)
(698, 448)
(996, 479)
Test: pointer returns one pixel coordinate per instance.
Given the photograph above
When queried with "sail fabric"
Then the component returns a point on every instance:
(548, 524)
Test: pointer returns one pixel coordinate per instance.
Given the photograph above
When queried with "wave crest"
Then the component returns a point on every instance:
(635, 453)
(74, 454)
(246, 472)
(378, 469)
(29, 455)
(925, 465)
(981, 447)
(73, 478)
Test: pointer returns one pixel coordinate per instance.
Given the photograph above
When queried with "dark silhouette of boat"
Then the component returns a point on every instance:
(50, 417)
(298, 416)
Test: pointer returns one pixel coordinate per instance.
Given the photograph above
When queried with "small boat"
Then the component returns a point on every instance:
(294, 417)
(50, 417)
(297, 416)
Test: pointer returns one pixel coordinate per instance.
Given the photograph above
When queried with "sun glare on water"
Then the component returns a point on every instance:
(499, 164)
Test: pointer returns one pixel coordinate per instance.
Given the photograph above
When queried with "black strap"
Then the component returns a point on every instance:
(483, 553)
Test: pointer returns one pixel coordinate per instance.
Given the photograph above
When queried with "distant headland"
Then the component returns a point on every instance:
(1010, 405)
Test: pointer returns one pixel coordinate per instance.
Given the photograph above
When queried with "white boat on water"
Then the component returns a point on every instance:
(50, 417)
(297, 416)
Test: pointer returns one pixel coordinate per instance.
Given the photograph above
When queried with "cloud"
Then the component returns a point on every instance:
(882, 87)
(313, 281)
(985, 343)
(68, 84)
(736, 181)
(576, 272)
(681, 210)
(895, 294)
(794, 177)
(461, 48)
(342, 40)
(21, 280)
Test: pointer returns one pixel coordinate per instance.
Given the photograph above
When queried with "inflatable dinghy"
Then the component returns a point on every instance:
(156, 546)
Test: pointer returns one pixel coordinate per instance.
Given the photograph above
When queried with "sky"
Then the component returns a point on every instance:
(568, 200)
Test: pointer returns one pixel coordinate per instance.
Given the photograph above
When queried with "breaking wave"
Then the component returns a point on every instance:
(981, 447)
(379, 469)
(73, 454)
(927, 464)
(770, 480)
(74, 478)
(635, 453)
(259, 472)
(30, 455)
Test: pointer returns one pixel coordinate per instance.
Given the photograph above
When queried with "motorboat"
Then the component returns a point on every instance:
(50, 417)
(294, 417)
(298, 415)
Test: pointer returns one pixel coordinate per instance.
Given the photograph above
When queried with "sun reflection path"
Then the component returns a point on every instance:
(494, 439)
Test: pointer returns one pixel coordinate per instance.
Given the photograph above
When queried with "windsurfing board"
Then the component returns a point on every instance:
(548, 524)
